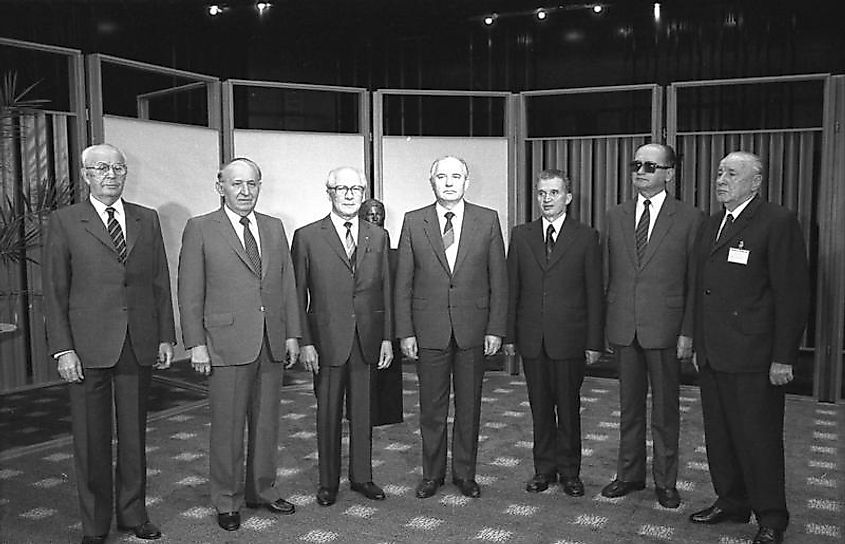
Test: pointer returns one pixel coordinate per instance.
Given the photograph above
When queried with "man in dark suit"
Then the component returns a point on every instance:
(237, 298)
(555, 319)
(451, 311)
(109, 322)
(752, 299)
(649, 244)
(387, 388)
(344, 289)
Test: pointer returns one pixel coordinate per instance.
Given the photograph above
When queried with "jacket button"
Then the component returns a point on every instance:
(261, 308)
(707, 291)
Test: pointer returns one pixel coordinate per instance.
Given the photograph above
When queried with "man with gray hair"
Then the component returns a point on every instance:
(343, 285)
(451, 309)
(109, 323)
(752, 299)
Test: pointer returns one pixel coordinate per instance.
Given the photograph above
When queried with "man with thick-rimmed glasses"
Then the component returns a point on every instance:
(109, 323)
(649, 244)
(344, 288)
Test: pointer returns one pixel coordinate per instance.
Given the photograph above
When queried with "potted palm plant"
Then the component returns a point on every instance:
(23, 205)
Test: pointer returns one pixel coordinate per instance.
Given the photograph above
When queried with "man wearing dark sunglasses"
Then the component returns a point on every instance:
(649, 243)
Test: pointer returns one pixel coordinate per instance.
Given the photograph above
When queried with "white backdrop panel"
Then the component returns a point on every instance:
(294, 168)
(405, 166)
(172, 168)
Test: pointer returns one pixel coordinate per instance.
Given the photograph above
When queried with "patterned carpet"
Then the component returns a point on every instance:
(38, 501)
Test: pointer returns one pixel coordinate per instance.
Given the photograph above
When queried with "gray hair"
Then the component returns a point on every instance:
(443, 158)
(245, 160)
(86, 153)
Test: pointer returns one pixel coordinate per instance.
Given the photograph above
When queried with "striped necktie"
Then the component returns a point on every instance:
(116, 234)
(251, 246)
(642, 230)
(448, 231)
(349, 242)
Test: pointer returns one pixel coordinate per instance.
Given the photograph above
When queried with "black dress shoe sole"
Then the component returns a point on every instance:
(722, 518)
(424, 492)
(622, 489)
(143, 536)
(536, 487)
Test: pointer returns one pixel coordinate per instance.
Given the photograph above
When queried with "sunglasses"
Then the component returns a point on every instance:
(647, 166)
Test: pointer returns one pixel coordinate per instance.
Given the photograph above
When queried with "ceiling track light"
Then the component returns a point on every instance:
(490, 19)
(657, 12)
(541, 14)
(598, 8)
(216, 9)
(262, 7)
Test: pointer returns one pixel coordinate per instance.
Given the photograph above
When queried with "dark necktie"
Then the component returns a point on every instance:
(550, 240)
(116, 234)
(642, 230)
(349, 242)
(448, 231)
(724, 233)
(251, 246)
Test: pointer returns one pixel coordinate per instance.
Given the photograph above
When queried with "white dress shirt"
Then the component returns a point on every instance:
(557, 224)
(340, 228)
(656, 203)
(119, 214)
(735, 214)
(239, 229)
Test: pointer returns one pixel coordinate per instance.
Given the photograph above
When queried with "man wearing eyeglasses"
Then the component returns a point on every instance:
(240, 319)
(344, 288)
(649, 244)
(451, 309)
(109, 323)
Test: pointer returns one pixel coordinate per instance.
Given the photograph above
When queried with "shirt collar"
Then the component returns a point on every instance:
(101, 208)
(339, 221)
(457, 209)
(738, 209)
(557, 223)
(236, 219)
(656, 200)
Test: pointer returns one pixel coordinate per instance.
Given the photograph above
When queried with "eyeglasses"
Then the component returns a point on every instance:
(102, 168)
(648, 166)
(344, 190)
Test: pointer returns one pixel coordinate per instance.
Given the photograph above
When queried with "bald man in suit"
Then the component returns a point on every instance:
(752, 300)
(451, 311)
(344, 289)
(649, 245)
(240, 319)
(109, 322)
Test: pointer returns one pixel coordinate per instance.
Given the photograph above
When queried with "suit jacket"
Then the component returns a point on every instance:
(556, 303)
(433, 303)
(93, 300)
(651, 300)
(335, 303)
(224, 302)
(748, 316)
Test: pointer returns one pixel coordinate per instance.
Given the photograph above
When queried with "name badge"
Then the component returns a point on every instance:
(737, 255)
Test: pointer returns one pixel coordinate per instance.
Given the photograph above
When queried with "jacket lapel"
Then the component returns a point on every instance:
(563, 240)
(227, 231)
(365, 231)
(431, 227)
(331, 237)
(264, 233)
(133, 227)
(629, 228)
(662, 225)
(469, 233)
(94, 225)
(537, 242)
(739, 225)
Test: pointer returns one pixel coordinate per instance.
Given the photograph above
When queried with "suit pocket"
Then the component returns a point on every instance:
(219, 320)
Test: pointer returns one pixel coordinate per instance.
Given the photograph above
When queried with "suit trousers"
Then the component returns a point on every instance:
(743, 431)
(124, 386)
(439, 371)
(352, 379)
(244, 398)
(554, 392)
(638, 367)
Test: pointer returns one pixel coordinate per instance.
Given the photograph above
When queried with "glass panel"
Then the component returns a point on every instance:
(48, 71)
(756, 106)
(444, 115)
(296, 109)
(589, 114)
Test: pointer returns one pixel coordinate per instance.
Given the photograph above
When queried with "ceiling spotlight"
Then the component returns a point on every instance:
(490, 19)
(598, 8)
(214, 9)
(657, 12)
(542, 14)
(262, 7)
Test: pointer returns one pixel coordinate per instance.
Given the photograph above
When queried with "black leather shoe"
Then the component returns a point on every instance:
(469, 488)
(229, 521)
(714, 514)
(426, 488)
(767, 535)
(668, 497)
(278, 506)
(618, 488)
(573, 486)
(369, 490)
(326, 496)
(93, 539)
(145, 531)
(540, 482)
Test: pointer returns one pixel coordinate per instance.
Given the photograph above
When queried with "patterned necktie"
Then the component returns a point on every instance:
(723, 234)
(550, 240)
(448, 231)
(116, 234)
(349, 242)
(642, 230)
(251, 246)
